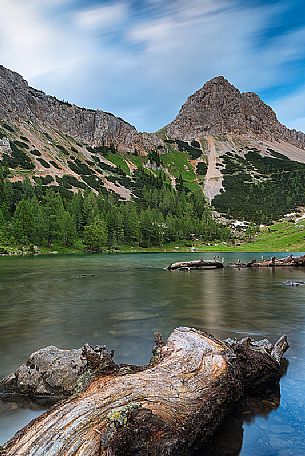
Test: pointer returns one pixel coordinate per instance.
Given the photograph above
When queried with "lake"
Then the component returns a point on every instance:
(45, 301)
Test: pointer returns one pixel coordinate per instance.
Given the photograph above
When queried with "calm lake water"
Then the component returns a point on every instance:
(42, 302)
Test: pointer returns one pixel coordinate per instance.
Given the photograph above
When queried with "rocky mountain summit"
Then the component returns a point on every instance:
(20, 103)
(219, 108)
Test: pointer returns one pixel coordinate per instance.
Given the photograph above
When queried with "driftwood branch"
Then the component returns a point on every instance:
(165, 409)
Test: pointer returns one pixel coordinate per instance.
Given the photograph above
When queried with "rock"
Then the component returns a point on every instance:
(53, 372)
(218, 108)
(49, 371)
(293, 283)
(5, 145)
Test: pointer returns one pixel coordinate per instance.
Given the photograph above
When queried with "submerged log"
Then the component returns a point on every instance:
(176, 402)
(196, 264)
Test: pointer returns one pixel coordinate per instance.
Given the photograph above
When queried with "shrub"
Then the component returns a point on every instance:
(43, 162)
(201, 168)
(18, 159)
(53, 163)
(62, 149)
(79, 167)
(22, 144)
(8, 127)
(36, 152)
(93, 181)
(45, 180)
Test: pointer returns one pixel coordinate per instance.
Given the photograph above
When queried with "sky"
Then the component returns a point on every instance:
(141, 59)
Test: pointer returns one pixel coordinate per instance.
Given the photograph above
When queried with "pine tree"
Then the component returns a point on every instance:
(54, 213)
(95, 236)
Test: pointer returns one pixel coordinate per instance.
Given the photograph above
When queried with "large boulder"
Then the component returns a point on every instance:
(53, 372)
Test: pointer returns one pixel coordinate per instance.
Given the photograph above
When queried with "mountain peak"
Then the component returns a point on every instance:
(218, 80)
(219, 108)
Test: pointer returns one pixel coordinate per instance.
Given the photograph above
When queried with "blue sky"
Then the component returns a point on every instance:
(142, 59)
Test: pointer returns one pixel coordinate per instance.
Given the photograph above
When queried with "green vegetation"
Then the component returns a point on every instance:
(69, 181)
(44, 215)
(36, 152)
(96, 235)
(154, 158)
(62, 149)
(22, 144)
(260, 189)
(193, 149)
(79, 167)
(8, 128)
(44, 163)
(201, 169)
(53, 163)
(44, 180)
(136, 160)
(178, 165)
(119, 161)
(17, 158)
(280, 237)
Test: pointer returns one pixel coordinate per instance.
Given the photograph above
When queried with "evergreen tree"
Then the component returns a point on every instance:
(179, 184)
(95, 236)
(68, 229)
(54, 213)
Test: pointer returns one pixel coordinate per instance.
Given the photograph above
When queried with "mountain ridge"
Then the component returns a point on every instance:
(20, 102)
(221, 143)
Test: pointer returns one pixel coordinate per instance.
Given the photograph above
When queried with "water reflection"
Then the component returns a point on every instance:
(228, 439)
(42, 302)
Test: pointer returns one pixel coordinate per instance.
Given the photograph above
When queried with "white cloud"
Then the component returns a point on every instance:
(102, 17)
(290, 109)
(34, 45)
(155, 63)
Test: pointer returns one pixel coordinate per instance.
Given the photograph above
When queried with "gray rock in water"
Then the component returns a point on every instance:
(49, 371)
(293, 283)
(52, 372)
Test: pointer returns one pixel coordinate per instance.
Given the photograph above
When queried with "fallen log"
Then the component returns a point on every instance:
(298, 261)
(176, 402)
(196, 264)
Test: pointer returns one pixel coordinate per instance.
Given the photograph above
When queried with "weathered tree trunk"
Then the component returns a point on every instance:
(165, 409)
(196, 264)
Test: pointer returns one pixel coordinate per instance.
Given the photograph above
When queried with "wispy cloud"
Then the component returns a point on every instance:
(141, 59)
(102, 17)
(35, 43)
(290, 109)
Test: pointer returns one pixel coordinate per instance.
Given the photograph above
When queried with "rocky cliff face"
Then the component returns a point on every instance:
(20, 103)
(219, 108)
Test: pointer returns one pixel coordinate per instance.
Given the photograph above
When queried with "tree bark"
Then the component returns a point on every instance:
(165, 409)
